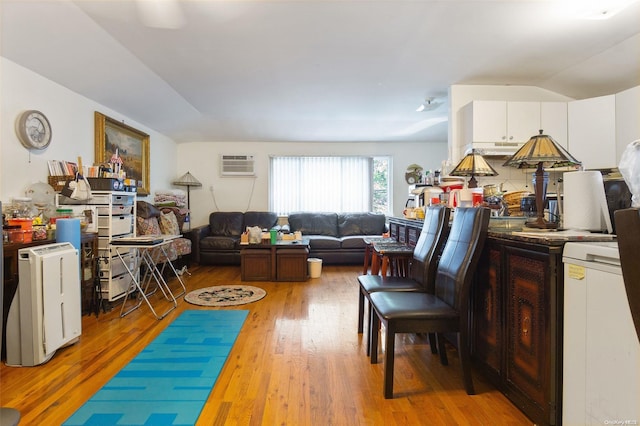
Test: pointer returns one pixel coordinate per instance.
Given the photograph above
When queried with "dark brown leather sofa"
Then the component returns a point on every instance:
(218, 243)
(336, 238)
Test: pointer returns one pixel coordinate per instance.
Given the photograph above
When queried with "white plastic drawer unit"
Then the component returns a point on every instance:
(110, 198)
(118, 209)
(110, 226)
(115, 266)
(116, 287)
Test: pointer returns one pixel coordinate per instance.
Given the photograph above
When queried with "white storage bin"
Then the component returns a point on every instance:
(119, 225)
(117, 288)
(115, 210)
(116, 264)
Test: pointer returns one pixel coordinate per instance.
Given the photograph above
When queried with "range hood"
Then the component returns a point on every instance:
(494, 149)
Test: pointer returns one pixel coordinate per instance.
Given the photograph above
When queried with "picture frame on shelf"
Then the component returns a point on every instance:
(132, 146)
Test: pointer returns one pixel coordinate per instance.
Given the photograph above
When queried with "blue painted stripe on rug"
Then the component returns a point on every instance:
(170, 380)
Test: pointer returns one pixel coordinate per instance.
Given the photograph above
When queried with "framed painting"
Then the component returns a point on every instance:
(132, 147)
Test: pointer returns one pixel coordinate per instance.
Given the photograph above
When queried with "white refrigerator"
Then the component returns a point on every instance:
(601, 361)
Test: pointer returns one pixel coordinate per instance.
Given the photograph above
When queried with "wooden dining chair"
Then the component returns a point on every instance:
(628, 234)
(422, 268)
(446, 309)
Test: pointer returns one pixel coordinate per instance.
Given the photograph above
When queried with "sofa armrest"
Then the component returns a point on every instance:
(196, 234)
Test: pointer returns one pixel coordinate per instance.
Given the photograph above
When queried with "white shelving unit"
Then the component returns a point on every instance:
(116, 218)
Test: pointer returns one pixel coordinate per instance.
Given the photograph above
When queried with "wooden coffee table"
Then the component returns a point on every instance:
(284, 261)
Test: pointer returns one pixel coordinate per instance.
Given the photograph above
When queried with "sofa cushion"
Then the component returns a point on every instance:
(314, 223)
(264, 220)
(218, 243)
(353, 242)
(323, 242)
(230, 224)
(361, 224)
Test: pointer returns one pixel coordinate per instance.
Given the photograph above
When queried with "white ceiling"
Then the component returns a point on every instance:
(310, 70)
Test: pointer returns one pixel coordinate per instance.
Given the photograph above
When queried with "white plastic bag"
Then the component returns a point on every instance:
(255, 234)
(77, 189)
(630, 169)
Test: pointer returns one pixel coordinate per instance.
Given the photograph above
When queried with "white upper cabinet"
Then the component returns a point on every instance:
(503, 126)
(523, 121)
(592, 132)
(553, 121)
(627, 119)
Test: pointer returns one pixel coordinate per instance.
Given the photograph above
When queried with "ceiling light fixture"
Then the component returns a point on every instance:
(594, 9)
(429, 104)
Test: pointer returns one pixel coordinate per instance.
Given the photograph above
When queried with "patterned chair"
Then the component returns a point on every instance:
(152, 221)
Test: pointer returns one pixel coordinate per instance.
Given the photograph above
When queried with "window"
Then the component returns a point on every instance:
(336, 184)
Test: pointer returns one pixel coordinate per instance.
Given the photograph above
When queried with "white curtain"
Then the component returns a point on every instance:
(321, 184)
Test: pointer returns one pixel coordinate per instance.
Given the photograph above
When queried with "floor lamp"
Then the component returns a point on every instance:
(540, 151)
(188, 180)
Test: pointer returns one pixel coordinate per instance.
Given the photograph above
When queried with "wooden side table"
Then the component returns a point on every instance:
(284, 261)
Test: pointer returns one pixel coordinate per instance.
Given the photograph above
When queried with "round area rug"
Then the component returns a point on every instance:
(225, 295)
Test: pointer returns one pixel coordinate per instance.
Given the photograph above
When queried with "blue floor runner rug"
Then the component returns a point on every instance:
(169, 382)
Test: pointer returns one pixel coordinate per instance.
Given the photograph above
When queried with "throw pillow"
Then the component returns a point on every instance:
(146, 210)
(169, 224)
(148, 226)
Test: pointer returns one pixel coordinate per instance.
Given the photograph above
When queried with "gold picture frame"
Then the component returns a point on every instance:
(132, 146)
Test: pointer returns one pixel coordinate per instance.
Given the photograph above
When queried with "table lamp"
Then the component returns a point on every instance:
(540, 151)
(473, 164)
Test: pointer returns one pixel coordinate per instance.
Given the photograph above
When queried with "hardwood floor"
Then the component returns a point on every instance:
(297, 361)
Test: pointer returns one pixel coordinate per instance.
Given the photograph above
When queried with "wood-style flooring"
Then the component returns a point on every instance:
(297, 361)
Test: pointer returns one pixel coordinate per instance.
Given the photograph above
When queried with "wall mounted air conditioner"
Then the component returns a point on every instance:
(237, 165)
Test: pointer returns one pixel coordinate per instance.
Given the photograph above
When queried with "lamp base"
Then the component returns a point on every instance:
(540, 223)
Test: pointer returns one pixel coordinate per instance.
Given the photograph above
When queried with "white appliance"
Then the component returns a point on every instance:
(45, 313)
(585, 202)
(601, 362)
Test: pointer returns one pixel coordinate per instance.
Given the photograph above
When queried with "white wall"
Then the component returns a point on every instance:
(242, 194)
(72, 122)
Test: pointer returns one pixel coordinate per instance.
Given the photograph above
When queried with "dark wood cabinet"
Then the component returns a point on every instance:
(88, 274)
(406, 231)
(516, 326)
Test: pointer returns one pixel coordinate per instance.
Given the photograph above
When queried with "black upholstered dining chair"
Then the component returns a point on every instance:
(446, 309)
(628, 234)
(422, 268)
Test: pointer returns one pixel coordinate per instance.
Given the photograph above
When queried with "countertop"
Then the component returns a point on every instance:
(551, 237)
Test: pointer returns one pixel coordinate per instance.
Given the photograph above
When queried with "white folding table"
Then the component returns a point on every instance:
(151, 252)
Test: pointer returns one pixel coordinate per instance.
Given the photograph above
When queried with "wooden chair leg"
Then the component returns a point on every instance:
(442, 349)
(360, 310)
(375, 263)
(385, 266)
(433, 344)
(389, 352)
(465, 361)
(367, 258)
(373, 336)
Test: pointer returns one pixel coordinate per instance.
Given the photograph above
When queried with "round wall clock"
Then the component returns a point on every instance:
(34, 130)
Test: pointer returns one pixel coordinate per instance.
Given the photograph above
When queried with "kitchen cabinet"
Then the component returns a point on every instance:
(627, 119)
(406, 231)
(554, 121)
(592, 131)
(516, 304)
(503, 126)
